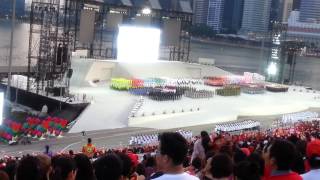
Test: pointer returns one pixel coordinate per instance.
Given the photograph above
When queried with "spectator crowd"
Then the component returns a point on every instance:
(285, 153)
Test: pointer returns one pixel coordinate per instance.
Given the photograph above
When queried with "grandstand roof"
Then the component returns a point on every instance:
(167, 5)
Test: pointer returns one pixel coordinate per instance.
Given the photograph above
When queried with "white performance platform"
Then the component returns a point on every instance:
(110, 109)
(220, 109)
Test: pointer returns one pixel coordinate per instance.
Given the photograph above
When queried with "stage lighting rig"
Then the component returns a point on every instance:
(146, 11)
(272, 69)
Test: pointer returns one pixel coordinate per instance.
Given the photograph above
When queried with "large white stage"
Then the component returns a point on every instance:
(110, 109)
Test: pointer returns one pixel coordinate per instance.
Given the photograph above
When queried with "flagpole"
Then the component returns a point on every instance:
(11, 47)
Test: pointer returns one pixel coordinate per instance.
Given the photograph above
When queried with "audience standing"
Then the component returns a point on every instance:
(29, 168)
(84, 167)
(63, 168)
(108, 167)
(281, 155)
(202, 146)
(313, 155)
(173, 150)
(219, 167)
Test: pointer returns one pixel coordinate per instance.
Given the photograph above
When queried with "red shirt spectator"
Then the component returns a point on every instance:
(284, 176)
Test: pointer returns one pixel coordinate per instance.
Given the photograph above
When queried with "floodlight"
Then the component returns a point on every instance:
(1, 106)
(146, 11)
(138, 44)
(272, 69)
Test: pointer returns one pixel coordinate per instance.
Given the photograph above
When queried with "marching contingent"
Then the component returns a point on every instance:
(194, 93)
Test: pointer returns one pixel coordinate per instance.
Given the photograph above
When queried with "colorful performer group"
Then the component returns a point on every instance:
(161, 89)
(11, 131)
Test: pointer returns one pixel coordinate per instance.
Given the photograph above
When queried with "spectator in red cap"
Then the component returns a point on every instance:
(313, 154)
(134, 157)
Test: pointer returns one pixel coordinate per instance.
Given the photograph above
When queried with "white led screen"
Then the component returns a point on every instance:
(138, 44)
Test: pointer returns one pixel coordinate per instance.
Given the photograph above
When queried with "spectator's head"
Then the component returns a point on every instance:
(84, 167)
(108, 167)
(10, 169)
(71, 153)
(29, 168)
(219, 166)
(89, 140)
(257, 160)
(45, 165)
(63, 168)
(281, 155)
(127, 165)
(226, 149)
(173, 149)
(4, 175)
(150, 162)
(205, 141)
(301, 147)
(246, 170)
(141, 169)
(197, 163)
(239, 155)
(313, 153)
(204, 134)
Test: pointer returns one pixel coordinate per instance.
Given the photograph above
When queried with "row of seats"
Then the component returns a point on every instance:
(300, 116)
(152, 139)
(237, 126)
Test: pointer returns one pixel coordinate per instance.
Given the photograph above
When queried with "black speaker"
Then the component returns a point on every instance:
(59, 55)
(64, 54)
(290, 59)
(69, 73)
(56, 91)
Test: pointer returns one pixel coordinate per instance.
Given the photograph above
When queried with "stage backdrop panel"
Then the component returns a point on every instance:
(171, 32)
(87, 20)
(114, 20)
(142, 20)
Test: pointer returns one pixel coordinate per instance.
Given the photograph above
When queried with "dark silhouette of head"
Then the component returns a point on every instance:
(108, 167)
(29, 168)
(64, 167)
(84, 167)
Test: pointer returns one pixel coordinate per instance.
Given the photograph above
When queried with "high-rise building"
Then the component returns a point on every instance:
(304, 31)
(232, 16)
(296, 4)
(215, 13)
(256, 16)
(287, 9)
(310, 11)
(237, 15)
(200, 11)
(276, 11)
(227, 16)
